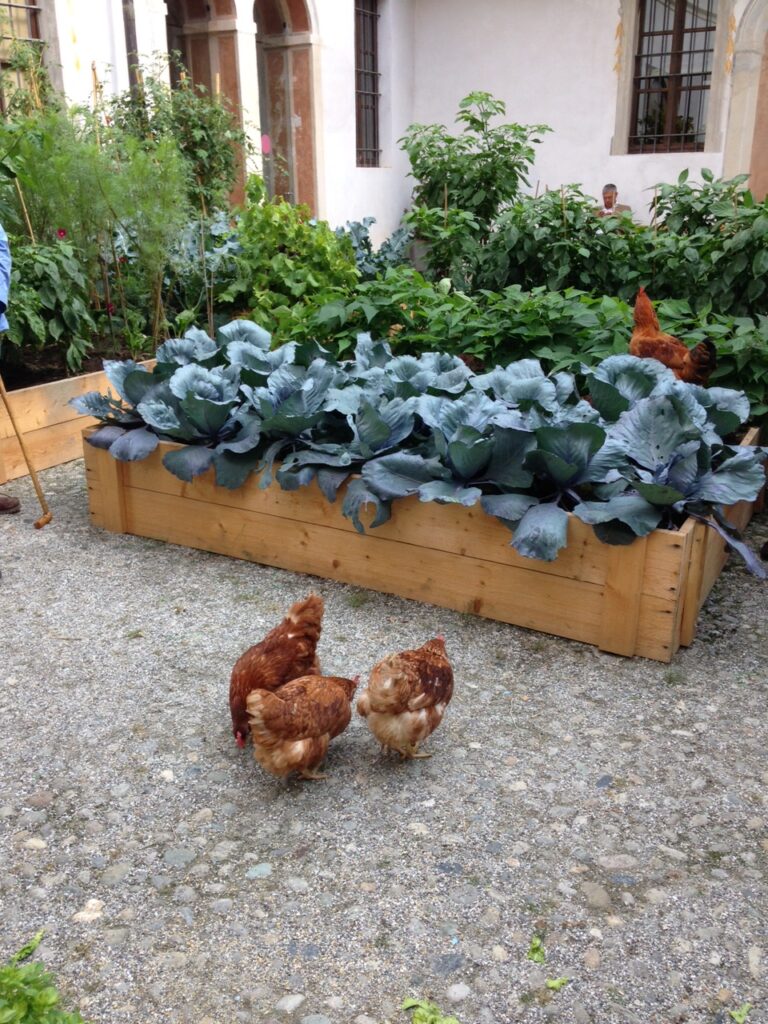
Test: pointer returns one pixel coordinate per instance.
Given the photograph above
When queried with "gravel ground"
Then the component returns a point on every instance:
(615, 808)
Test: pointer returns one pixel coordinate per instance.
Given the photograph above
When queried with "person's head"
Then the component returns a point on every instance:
(609, 195)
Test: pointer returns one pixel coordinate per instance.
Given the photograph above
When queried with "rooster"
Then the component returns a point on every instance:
(286, 652)
(291, 728)
(649, 342)
(407, 696)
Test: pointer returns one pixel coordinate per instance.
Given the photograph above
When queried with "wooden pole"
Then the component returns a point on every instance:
(25, 211)
(47, 515)
(131, 46)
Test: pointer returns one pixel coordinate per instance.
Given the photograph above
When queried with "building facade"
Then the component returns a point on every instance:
(634, 90)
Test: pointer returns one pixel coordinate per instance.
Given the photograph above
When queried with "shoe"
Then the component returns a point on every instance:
(9, 504)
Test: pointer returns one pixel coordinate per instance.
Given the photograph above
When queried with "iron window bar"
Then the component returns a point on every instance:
(367, 79)
(673, 70)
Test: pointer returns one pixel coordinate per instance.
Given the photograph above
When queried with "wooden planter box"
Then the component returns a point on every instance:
(52, 429)
(642, 599)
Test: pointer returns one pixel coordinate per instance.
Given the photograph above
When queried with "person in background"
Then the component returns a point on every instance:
(610, 206)
(7, 505)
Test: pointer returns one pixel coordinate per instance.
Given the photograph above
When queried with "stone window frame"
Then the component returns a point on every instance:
(368, 86)
(626, 47)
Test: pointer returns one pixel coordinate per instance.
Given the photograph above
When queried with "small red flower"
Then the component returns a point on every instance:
(110, 307)
(61, 233)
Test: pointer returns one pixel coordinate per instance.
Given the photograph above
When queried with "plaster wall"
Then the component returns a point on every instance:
(87, 32)
(348, 192)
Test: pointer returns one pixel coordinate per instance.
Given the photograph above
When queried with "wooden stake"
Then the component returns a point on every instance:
(96, 89)
(46, 516)
(25, 211)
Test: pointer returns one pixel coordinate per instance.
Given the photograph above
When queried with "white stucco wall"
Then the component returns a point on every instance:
(348, 192)
(94, 31)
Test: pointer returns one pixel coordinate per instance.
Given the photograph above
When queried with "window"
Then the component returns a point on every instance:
(18, 23)
(367, 82)
(672, 76)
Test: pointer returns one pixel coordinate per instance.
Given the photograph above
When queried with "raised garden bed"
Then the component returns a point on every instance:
(52, 428)
(642, 599)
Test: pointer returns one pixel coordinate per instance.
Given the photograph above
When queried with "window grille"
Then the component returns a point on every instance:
(19, 22)
(367, 82)
(673, 73)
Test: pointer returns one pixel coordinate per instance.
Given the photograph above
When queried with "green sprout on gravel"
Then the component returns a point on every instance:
(741, 1014)
(555, 984)
(536, 951)
(28, 994)
(427, 1013)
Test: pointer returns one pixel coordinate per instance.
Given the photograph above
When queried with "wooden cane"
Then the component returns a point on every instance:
(46, 516)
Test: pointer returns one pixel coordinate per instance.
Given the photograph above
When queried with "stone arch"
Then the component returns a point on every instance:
(207, 33)
(284, 56)
(746, 142)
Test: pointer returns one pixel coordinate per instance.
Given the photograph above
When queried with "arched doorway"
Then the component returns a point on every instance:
(284, 57)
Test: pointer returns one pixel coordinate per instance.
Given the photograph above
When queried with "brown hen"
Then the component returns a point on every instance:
(291, 728)
(648, 341)
(407, 696)
(286, 652)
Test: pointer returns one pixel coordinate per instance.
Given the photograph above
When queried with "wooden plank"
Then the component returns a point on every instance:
(525, 597)
(52, 429)
(657, 629)
(105, 478)
(465, 531)
(621, 597)
(47, 404)
(49, 446)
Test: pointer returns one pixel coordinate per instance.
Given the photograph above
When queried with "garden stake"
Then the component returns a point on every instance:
(25, 211)
(46, 516)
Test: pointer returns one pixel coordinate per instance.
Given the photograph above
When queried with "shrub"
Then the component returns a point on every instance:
(203, 128)
(286, 257)
(463, 181)
(48, 299)
(28, 994)
(708, 246)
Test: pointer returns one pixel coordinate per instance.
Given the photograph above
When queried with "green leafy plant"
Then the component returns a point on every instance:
(644, 452)
(49, 299)
(202, 127)
(476, 171)
(740, 1015)
(562, 329)
(28, 994)
(463, 181)
(555, 984)
(285, 258)
(536, 950)
(119, 206)
(708, 244)
(369, 261)
(424, 1012)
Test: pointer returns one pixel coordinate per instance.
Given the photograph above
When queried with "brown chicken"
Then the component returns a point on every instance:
(649, 342)
(407, 696)
(292, 727)
(286, 652)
